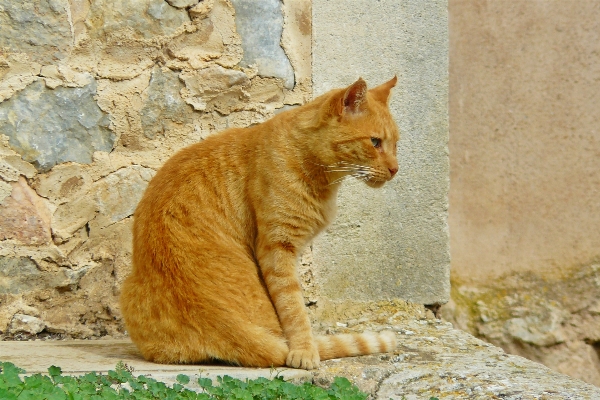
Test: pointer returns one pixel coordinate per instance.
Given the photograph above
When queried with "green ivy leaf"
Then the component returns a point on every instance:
(341, 383)
(177, 387)
(205, 382)
(94, 386)
(56, 394)
(183, 379)
(7, 367)
(5, 394)
(136, 385)
(12, 379)
(54, 371)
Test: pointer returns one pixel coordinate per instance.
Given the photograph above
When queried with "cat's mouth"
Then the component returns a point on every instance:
(375, 184)
(377, 178)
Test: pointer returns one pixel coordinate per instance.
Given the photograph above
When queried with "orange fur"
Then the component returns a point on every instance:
(219, 229)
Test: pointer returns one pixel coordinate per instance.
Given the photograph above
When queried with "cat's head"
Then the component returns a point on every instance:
(361, 133)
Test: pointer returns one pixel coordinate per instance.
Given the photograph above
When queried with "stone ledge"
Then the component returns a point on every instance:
(78, 357)
(435, 360)
(432, 360)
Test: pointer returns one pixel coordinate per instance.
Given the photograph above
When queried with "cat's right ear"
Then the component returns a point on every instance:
(355, 97)
(381, 93)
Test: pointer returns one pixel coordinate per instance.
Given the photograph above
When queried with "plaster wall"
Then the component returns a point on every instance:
(525, 140)
(390, 242)
(525, 178)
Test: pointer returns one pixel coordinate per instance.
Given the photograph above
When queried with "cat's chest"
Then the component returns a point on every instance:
(324, 214)
(329, 210)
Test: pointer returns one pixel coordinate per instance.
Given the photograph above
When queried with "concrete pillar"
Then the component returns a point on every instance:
(391, 242)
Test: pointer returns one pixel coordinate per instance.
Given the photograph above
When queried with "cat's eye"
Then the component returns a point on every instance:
(376, 142)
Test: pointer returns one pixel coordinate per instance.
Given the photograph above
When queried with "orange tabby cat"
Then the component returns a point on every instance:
(219, 230)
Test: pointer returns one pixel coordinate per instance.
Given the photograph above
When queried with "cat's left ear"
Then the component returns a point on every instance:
(381, 93)
(355, 98)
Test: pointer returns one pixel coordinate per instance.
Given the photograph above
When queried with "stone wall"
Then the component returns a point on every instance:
(94, 97)
(525, 178)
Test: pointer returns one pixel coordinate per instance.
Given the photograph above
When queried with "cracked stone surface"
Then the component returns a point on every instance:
(432, 360)
(216, 88)
(118, 194)
(47, 127)
(260, 24)
(435, 360)
(40, 28)
(24, 217)
(552, 320)
(163, 103)
(147, 18)
(110, 200)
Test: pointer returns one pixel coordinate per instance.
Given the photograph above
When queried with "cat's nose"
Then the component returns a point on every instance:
(393, 171)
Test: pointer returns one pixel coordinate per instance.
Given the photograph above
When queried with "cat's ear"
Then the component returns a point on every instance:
(355, 98)
(381, 93)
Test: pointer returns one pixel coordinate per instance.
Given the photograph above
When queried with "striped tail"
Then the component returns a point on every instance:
(355, 344)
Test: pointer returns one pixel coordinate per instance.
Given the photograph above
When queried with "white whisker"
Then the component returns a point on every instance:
(360, 176)
(342, 170)
(341, 166)
(354, 165)
(361, 173)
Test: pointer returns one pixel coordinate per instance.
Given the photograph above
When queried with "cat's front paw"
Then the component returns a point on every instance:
(305, 359)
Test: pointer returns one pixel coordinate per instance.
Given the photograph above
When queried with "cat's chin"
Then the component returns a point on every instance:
(375, 184)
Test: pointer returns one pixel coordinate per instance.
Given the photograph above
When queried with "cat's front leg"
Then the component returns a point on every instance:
(278, 267)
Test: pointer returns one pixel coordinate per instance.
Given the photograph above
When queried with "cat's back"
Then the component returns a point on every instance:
(200, 195)
(200, 172)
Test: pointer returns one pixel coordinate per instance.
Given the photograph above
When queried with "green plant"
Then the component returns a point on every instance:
(122, 384)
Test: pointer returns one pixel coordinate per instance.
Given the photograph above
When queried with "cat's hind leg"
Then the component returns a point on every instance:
(250, 346)
(238, 326)
(211, 304)
(238, 344)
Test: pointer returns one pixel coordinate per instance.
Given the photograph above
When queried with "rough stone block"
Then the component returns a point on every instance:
(48, 127)
(70, 217)
(118, 194)
(200, 47)
(267, 91)
(5, 191)
(391, 242)
(127, 36)
(64, 183)
(26, 324)
(551, 319)
(183, 3)
(260, 24)
(21, 275)
(147, 18)
(215, 88)
(222, 15)
(109, 200)
(39, 28)
(296, 42)
(163, 103)
(24, 216)
(17, 167)
(16, 72)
